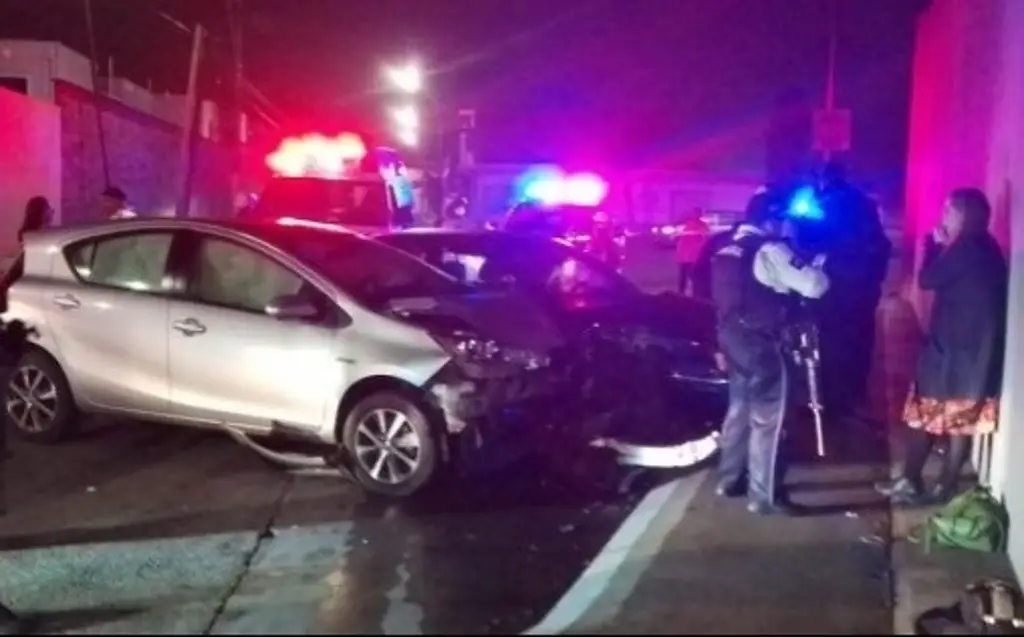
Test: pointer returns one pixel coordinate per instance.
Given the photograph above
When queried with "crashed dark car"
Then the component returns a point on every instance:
(644, 362)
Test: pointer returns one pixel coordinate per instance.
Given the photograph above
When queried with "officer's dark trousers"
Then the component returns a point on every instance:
(757, 405)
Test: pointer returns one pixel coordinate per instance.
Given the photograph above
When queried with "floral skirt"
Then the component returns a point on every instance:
(951, 417)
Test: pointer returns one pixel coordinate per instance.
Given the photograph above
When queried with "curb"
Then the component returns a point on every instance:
(599, 592)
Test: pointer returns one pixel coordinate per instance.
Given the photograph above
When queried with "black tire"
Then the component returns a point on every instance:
(419, 425)
(64, 422)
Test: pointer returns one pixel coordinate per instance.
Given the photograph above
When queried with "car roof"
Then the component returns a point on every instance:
(433, 232)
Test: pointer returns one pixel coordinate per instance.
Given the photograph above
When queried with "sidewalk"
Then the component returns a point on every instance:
(843, 568)
(722, 570)
(929, 580)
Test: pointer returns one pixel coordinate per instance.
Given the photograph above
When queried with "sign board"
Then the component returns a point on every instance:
(467, 119)
(832, 130)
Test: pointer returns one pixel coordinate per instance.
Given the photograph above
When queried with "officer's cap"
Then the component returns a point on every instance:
(764, 206)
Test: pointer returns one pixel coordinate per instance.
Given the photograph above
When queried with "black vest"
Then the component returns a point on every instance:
(740, 299)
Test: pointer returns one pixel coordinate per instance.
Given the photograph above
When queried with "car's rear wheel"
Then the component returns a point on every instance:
(391, 443)
(38, 405)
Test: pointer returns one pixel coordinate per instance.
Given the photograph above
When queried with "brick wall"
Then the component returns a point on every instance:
(143, 155)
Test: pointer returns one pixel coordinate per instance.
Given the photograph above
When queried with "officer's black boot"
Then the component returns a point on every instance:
(775, 507)
(731, 488)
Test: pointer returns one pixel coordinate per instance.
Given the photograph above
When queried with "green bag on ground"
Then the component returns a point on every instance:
(973, 520)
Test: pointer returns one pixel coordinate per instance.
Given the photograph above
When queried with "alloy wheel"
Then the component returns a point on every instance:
(31, 400)
(387, 446)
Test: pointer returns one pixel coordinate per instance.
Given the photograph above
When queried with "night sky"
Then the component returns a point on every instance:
(678, 83)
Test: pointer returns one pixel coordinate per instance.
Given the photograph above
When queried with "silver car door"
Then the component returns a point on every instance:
(231, 362)
(110, 324)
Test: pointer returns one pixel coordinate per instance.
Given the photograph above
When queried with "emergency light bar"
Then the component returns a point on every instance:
(582, 189)
(805, 205)
(317, 156)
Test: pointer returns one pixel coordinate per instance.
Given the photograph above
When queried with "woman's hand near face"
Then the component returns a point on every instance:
(941, 236)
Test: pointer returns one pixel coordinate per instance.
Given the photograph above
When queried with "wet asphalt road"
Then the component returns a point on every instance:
(135, 527)
(184, 531)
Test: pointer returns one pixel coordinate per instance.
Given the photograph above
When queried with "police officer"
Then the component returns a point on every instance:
(859, 254)
(753, 279)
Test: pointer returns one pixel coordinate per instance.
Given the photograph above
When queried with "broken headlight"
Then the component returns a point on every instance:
(469, 348)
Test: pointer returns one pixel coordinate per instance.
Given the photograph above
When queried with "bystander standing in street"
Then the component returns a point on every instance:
(114, 204)
(693, 235)
(38, 214)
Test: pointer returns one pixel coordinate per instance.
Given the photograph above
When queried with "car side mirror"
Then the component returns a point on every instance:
(292, 308)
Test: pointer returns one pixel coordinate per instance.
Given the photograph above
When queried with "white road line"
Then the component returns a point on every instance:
(614, 573)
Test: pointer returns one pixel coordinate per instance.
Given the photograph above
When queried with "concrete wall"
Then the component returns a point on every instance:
(967, 129)
(142, 154)
(141, 131)
(29, 160)
(43, 63)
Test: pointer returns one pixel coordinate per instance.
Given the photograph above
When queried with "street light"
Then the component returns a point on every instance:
(408, 137)
(407, 117)
(407, 79)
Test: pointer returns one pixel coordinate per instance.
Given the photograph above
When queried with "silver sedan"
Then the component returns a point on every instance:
(311, 345)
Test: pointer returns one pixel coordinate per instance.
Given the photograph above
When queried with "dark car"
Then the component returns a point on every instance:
(649, 358)
(588, 228)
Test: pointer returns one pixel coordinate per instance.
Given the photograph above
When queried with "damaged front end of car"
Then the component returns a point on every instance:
(500, 402)
(656, 390)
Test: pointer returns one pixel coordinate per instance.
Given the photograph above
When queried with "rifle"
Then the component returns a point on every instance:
(807, 354)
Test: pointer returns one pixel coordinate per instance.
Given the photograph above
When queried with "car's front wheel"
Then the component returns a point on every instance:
(391, 443)
(38, 405)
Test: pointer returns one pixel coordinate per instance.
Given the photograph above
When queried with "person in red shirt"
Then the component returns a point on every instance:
(693, 234)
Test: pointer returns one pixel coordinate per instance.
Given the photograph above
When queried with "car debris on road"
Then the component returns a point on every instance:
(680, 456)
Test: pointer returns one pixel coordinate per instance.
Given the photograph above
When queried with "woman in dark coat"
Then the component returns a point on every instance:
(959, 372)
(37, 216)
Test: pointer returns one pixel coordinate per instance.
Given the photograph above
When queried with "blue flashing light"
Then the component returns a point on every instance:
(805, 205)
(550, 186)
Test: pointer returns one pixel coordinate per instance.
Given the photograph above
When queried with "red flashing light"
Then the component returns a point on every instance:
(317, 156)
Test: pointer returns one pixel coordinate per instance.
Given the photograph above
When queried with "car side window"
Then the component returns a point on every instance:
(238, 277)
(136, 261)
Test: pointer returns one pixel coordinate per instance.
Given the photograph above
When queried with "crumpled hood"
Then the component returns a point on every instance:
(664, 317)
(508, 318)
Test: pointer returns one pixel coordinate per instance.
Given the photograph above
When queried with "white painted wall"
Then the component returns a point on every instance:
(29, 161)
(43, 62)
(967, 129)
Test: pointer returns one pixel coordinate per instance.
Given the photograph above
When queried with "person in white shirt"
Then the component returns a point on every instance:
(754, 278)
(114, 204)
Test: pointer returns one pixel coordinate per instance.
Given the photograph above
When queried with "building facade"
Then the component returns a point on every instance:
(967, 129)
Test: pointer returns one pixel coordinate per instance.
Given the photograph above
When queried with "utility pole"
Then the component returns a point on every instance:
(234, 8)
(830, 78)
(188, 125)
(97, 98)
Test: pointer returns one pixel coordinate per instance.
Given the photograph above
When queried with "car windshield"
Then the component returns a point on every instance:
(346, 202)
(553, 221)
(539, 264)
(371, 273)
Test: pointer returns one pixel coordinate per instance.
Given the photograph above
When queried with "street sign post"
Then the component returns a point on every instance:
(833, 130)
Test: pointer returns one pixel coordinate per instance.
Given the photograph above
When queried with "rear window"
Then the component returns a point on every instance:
(556, 221)
(369, 271)
(349, 202)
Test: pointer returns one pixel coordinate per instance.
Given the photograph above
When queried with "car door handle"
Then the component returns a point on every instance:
(66, 301)
(189, 327)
